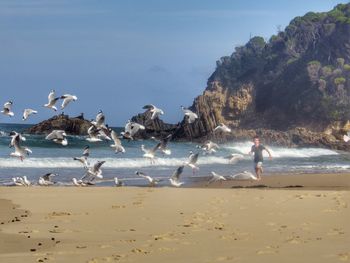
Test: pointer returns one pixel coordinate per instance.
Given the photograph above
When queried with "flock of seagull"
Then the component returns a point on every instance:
(99, 131)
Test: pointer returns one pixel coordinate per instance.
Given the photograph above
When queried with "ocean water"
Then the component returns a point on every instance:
(50, 157)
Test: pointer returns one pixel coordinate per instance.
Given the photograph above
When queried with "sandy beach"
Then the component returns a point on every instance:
(141, 224)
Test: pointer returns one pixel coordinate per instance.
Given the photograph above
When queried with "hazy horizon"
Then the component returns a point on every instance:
(118, 56)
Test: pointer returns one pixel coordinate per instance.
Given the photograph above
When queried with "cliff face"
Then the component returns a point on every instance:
(299, 78)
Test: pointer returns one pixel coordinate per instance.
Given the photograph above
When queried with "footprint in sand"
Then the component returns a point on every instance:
(268, 250)
(118, 206)
(344, 256)
(227, 258)
(140, 251)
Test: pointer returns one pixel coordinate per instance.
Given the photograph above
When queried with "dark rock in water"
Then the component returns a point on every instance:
(156, 128)
(73, 126)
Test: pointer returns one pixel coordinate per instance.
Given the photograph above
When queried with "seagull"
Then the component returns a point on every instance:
(84, 158)
(215, 178)
(7, 109)
(152, 181)
(78, 182)
(192, 160)
(94, 172)
(94, 134)
(154, 110)
(131, 128)
(18, 181)
(58, 136)
(117, 143)
(20, 152)
(26, 181)
(150, 153)
(163, 144)
(27, 113)
(52, 100)
(99, 121)
(223, 128)
(191, 116)
(13, 135)
(174, 179)
(118, 182)
(45, 180)
(234, 158)
(346, 137)
(67, 98)
(209, 147)
(244, 176)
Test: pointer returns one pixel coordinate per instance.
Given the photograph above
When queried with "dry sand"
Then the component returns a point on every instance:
(98, 224)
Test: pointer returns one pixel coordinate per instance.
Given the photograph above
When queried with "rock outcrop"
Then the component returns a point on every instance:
(292, 90)
(73, 126)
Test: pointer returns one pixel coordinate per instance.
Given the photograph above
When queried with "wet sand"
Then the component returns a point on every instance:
(130, 224)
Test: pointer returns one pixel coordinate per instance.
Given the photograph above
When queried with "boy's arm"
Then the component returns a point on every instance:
(267, 150)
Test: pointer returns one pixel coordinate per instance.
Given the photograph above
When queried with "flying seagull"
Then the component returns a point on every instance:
(94, 134)
(150, 153)
(67, 98)
(13, 135)
(223, 128)
(93, 172)
(20, 152)
(58, 136)
(163, 144)
(152, 181)
(84, 158)
(99, 121)
(216, 178)
(191, 116)
(27, 113)
(154, 110)
(175, 178)
(234, 158)
(52, 100)
(117, 143)
(131, 128)
(209, 147)
(192, 160)
(7, 109)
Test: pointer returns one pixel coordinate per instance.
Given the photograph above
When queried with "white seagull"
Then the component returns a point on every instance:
(152, 181)
(84, 158)
(216, 178)
(46, 179)
(117, 143)
(234, 158)
(118, 182)
(191, 116)
(175, 178)
(209, 147)
(223, 128)
(93, 172)
(154, 110)
(20, 152)
(52, 100)
(67, 98)
(346, 137)
(99, 121)
(150, 153)
(163, 147)
(192, 160)
(13, 135)
(78, 182)
(244, 176)
(7, 109)
(94, 134)
(27, 113)
(131, 128)
(58, 136)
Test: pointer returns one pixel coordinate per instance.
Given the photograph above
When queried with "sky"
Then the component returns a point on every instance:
(117, 56)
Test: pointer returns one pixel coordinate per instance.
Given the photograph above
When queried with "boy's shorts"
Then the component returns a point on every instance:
(258, 165)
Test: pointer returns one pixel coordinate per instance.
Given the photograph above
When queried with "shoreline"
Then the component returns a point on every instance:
(142, 224)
